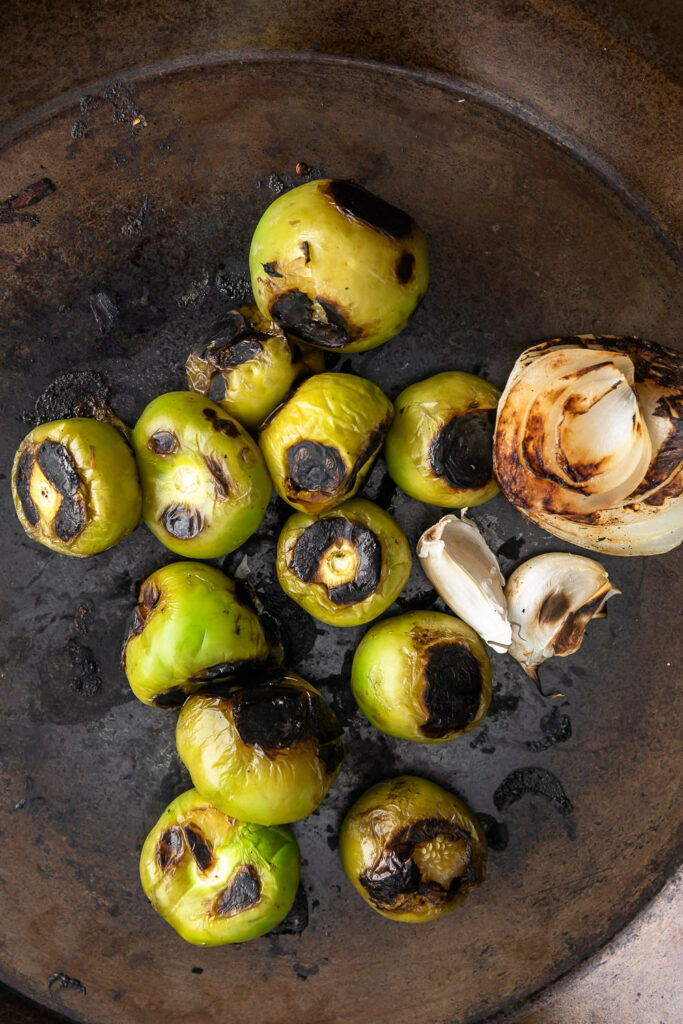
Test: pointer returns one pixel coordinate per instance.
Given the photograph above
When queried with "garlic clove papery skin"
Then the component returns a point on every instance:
(464, 571)
(551, 599)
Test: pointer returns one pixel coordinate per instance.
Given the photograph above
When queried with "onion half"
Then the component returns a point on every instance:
(589, 442)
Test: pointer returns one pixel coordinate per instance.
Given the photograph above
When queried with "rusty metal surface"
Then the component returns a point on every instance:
(144, 239)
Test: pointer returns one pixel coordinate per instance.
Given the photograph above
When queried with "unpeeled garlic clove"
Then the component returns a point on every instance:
(462, 568)
(550, 600)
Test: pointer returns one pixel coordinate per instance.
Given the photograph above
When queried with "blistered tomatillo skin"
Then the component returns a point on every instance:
(337, 266)
(345, 567)
(75, 486)
(422, 676)
(215, 879)
(247, 365)
(320, 445)
(205, 487)
(266, 753)
(439, 448)
(189, 629)
(412, 850)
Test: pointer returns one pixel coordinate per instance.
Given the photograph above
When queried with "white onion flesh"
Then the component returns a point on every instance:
(589, 442)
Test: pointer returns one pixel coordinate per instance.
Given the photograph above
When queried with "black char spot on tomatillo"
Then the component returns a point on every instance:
(183, 522)
(356, 202)
(242, 891)
(163, 442)
(220, 423)
(276, 717)
(452, 692)
(170, 848)
(198, 847)
(315, 467)
(462, 453)
(23, 485)
(220, 479)
(58, 467)
(321, 538)
(294, 311)
(405, 267)
(397, 874)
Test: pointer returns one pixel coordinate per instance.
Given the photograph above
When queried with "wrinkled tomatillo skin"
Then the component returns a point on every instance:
(266, 753)
(205, 486)
(320, 445)
(422, 676)
(337, 266)
(189, 629)
(412, 850)
(440, 446)
(215, 879)
(247, 365)
(345, 567)
(75, 486)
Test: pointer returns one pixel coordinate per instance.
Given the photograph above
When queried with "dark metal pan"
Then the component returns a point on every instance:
(159, 177)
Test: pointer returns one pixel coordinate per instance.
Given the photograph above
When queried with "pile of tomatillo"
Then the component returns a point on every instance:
(261, 744)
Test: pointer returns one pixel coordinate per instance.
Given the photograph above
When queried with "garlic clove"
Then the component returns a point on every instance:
(551, 599)
(464, 571)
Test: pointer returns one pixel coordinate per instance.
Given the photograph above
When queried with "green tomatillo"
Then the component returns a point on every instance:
(215, 879)
(422, 676)
(266, 753)
(205, 486)
(75, 486)
(412, 850)
(189, 629)
(337, 266)
(247, 365)
(346, 566)
(320, 445)
(440, 445)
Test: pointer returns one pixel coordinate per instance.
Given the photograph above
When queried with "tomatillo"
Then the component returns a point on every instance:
(189, 629)
(215, 879)
(412, 850)
(320, 445)
(247, 365)
(345, 567)
(337, 266)
(422, 676)
(205, 486)
(266, 753)
(75, 486)
(440, 446)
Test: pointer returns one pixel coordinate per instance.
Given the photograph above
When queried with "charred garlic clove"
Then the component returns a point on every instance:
(412, 850)
(464, 571)
(205, 486)
(337, 266)
(189, 629)
(266, 753)
(439, 448)
(551, 599)
(75, 486)
(423, 676)
(320, 445)
(345, 567)
(247, 365)
(215, 879)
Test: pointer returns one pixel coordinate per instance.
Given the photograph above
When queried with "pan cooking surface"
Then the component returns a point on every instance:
(138, 242)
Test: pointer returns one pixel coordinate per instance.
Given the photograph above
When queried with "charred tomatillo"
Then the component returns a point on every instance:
(247, 365)
(205, 486)
(346, 566)
(440, 445)
(75, 486)
(266, 753)
(422, 676)
(337, 266)
(215, 879)
(189, 629)
(412, 850)
(320, 444)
